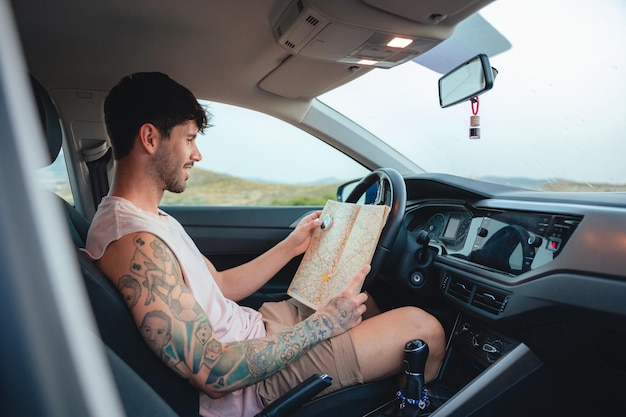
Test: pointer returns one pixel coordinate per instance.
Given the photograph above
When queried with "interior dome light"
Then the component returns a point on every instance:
(367, 62)
(399, 42)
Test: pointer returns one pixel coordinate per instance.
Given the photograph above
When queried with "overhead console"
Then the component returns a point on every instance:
(506, 241)
(345, 39)
(309, 28)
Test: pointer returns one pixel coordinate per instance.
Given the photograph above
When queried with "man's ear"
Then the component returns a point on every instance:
(148, 137)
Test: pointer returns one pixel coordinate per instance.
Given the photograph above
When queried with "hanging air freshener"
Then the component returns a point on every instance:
(474, 128)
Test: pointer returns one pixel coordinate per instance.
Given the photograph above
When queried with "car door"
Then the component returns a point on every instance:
(230, 236)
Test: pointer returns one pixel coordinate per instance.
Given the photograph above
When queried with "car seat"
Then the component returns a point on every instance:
(146, 385)
(138, 397)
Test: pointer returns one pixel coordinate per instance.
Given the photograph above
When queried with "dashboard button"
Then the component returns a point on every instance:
(554, 244)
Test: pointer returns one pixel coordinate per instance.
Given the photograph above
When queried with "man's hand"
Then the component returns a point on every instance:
(300, 238)
(346, 310)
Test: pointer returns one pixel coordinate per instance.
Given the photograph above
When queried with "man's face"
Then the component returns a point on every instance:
(176, 155)
(130, 296)
(155, 332)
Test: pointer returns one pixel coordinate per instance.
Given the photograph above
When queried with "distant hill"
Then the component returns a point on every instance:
(555, 184)
(515, 182)
(210, 188)
(214, 189)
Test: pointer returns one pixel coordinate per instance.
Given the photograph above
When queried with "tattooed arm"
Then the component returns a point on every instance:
(175, 327)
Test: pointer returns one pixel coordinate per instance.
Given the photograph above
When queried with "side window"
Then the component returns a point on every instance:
(252, 159)
(55, 178)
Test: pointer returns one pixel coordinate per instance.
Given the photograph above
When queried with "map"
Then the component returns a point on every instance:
(344, 243)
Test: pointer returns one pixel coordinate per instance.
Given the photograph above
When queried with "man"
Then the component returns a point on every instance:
(240, 358)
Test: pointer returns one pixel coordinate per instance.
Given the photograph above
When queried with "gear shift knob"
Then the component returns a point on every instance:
(413, 393)
(415, 355)
(412, 399)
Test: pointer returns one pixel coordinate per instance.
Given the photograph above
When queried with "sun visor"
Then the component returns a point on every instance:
(430, 12)
(299, 77)
(473, 36)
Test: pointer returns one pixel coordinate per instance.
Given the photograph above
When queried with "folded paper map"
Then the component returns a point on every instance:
(344, 243)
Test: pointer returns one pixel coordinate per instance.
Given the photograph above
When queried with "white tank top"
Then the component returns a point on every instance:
(117, 217)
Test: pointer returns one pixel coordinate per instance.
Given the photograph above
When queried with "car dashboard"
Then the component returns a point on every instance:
(504, 241)
(518, 269)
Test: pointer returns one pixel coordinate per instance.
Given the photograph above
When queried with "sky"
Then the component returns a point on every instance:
(556, 110)
(241, 141)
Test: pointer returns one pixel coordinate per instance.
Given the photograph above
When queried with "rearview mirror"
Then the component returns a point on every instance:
(468, 80)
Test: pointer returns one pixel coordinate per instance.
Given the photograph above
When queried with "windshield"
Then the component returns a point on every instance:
(554, 119)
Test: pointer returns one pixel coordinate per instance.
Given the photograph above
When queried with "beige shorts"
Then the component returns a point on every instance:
(335, 357)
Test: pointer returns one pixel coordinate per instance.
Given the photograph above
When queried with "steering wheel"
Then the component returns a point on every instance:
(497, 251)
(390, 190)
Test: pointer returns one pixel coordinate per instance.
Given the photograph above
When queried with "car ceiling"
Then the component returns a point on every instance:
(221, 50)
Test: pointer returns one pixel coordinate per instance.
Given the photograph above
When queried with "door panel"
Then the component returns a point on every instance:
(230, 236)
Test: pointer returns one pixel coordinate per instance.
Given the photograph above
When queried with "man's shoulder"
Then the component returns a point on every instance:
(115, 209)
(109, 207)
(115, 218)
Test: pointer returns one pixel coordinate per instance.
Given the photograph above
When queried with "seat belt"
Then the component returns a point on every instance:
(97, 159)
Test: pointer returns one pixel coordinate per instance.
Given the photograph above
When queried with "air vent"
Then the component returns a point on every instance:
(311, 20)
(460, 289)
(297, 26)
(477, 296)
(489, 300)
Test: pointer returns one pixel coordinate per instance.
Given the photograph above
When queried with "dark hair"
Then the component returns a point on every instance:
(148, 97)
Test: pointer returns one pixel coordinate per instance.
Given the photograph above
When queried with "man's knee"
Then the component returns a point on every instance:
(425, 326)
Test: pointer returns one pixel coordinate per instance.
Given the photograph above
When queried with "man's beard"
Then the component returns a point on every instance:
(176, 185)
(169, 172)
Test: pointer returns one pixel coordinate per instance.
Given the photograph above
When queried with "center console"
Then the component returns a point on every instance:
(488, 373)
(480, 367)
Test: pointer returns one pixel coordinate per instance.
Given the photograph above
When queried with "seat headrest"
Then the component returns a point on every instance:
(49, 119)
